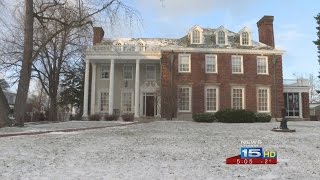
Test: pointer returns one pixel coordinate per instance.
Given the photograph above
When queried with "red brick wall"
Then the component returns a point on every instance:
(305, 105)
(98, 34)
(224, 79)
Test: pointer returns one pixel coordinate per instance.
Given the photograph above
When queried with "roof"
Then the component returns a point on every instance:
(209, 41)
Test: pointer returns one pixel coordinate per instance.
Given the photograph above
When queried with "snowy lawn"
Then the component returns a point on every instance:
(37, 127)
(161, 150)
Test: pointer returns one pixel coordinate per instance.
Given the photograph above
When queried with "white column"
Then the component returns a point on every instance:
(300, 105)
(111, 86)
(137, 90)
(86, 91)
(93, 88)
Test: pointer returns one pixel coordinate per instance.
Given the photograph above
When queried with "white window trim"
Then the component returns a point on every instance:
(132, 100)
(241, 64)
(155, 72)
(124, 73)
(267, 65)
(243, 96)
(189, 55)
(198, 28)
(216, 63)
(108, 70)
(217, 97)
(269, 99)
(99, 100)
(190, 99)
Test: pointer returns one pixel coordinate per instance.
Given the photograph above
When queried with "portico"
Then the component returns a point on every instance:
(119, 83)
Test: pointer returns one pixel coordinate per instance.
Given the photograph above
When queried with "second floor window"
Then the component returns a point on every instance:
(237, 64)
(127, 72)
(211, 63)
(150, 72)
(118, 47)
(141, 47)
(195, 36)
(104, 72)
(184, 63)
(262, 65)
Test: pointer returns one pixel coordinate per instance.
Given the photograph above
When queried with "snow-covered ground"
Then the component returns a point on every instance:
(161, 150)
(37, 127)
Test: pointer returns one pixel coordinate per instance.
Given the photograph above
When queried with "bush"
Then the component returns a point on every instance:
(112, 117)
(262, 117)
(94, 117)
(127, 117)
(235, 116)
(204, 117)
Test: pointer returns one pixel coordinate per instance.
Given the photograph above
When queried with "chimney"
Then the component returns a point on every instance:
(98, 34)
(265, 27)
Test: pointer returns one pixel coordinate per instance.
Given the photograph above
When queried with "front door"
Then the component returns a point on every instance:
(149, 105)
(291, 101)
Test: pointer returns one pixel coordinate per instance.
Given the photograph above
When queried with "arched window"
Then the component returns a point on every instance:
(245, 38)
(221, 37)
(195, 36)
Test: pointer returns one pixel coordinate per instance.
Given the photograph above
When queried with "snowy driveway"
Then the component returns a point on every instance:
(161, 150)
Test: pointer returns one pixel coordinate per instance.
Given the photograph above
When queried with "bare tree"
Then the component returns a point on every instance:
(46, 14)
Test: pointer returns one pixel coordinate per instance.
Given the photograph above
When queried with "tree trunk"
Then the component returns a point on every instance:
(53, 109)
(4, 110)
(25, 73)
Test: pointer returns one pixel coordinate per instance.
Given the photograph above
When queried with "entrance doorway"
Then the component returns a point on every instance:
(291, 101)
(149, 104)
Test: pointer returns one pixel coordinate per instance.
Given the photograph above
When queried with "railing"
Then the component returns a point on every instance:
(124, 48)
(296, 82)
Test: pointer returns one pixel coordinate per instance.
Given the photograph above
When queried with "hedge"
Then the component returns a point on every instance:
(235, 116)
(263, 117)
(204, 117)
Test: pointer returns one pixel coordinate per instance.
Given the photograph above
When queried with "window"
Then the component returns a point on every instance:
(211, 63)
(245, 38)
(104, 71)
(118, 46)
(184, 99)
(195, 37)
(262, 65)
(184, 63)
(127, 102)
(104, 102)
(127, 72)
(238, 98)
(263, 100)
(211, 96)
(141, 47)
(221, 37)
(150, 72)
(237, 64)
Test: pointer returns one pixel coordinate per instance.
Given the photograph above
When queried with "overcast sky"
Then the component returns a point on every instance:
(294, 25)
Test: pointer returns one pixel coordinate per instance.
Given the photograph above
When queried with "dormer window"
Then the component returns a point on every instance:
(195, 36)
(221, 37)
(245, 37)
(118, 46)
(141, 47)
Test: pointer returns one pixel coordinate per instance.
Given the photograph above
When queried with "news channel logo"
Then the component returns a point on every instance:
(253, 153)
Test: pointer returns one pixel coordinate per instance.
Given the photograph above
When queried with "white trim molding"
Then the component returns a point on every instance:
(241, 59)
(245, 30)
(200, 30)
